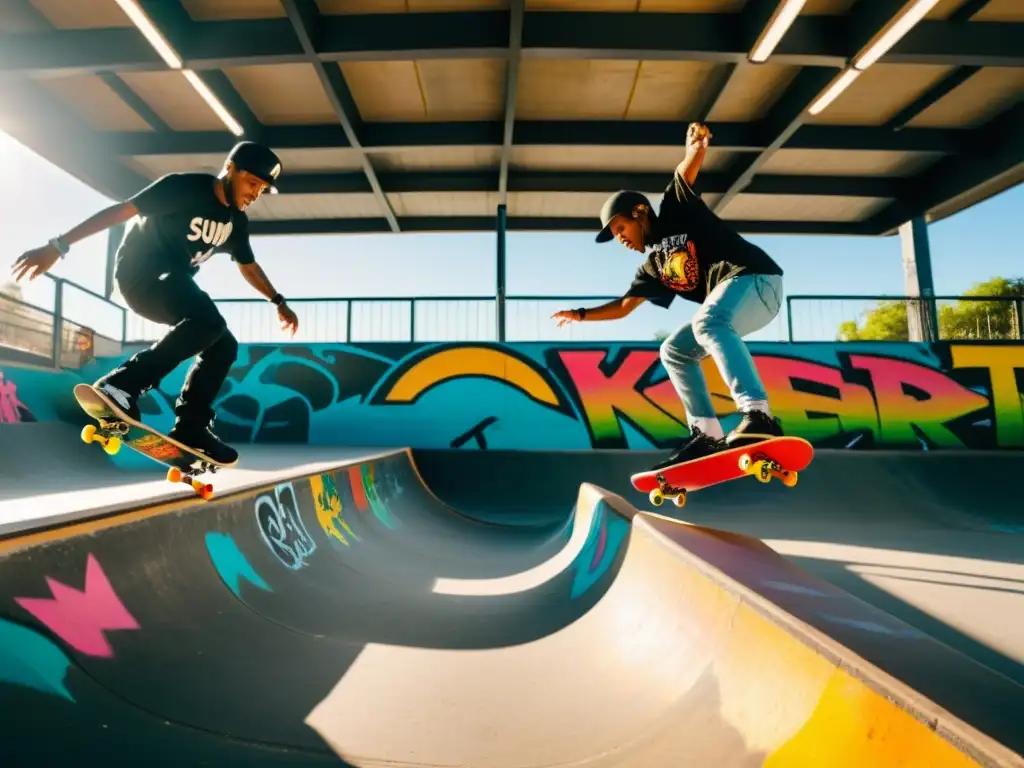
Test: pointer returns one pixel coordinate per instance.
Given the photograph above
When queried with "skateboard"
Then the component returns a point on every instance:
(780, 457)
(116, 429)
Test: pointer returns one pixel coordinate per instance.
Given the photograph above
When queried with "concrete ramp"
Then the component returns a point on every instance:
(352, 618)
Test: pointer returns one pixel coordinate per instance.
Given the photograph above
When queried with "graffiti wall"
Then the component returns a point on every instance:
(577, 396)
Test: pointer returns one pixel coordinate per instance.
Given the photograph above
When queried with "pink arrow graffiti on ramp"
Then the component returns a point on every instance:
(80, 617)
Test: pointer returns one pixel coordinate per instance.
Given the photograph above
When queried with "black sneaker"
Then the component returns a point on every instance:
(696, 446)
(125, 402)
(202, 440)
(755, 427)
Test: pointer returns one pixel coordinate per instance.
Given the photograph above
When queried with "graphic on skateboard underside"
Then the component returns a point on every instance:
(113, 430)
(782, 458)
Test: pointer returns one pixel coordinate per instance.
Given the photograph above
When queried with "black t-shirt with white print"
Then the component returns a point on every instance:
(181, 224)
(694, 251)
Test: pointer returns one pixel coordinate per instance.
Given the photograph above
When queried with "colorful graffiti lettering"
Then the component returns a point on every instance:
(80, 617)
(530, 396)
(12, 410)
(282, 528)
(329, 510)
(231, 564)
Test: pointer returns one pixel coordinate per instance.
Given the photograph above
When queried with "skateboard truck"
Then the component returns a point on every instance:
(664, 490)
(112, 444)
(205, 490)
(764, 469)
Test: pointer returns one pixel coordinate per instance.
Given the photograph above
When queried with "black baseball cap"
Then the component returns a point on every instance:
(621, 202)
(258, 160)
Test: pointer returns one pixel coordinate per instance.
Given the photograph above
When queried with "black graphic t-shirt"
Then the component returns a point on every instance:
(181, 224)
(694, 251)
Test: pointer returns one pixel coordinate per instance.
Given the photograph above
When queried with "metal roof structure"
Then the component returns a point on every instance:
(426, 115)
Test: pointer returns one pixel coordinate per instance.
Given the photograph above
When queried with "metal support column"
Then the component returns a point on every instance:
(57, 340)
(500, 292)
(114, 237)
(922, 315)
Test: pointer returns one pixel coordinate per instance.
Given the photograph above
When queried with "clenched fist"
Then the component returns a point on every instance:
(697, 136)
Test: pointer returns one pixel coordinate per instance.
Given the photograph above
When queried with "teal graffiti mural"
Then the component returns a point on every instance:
(231, 564)
(475, 396)
(607, 533)
(32, 661)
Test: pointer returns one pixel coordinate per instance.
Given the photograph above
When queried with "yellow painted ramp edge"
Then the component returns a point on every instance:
(798, 696)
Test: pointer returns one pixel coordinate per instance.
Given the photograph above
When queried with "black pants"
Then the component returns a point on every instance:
(198, 328)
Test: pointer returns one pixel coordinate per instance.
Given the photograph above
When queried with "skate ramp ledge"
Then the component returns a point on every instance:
(584, 523)
(687, 659)
(31, 520)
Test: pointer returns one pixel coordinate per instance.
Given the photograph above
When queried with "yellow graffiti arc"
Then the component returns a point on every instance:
(471, 361)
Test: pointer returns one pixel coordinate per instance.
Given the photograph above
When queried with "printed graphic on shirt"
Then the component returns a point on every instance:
(212, 233)
(677, 263)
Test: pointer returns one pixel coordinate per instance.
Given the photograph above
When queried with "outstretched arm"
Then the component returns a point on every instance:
(697, 138)
(40, 260)
(613, 310)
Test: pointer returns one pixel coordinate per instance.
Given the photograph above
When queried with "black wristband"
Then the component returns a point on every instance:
(277, 299)
(583, 312)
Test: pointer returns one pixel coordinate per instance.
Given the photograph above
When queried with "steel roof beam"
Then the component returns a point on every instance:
(995, 149)
(176, 25)
(788, 113)
(305, 19)
(517, 8)
(376, 137)
(555, 181)
(721, 37)
(517, 223)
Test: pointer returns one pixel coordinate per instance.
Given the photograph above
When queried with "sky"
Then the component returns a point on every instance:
(39, 201)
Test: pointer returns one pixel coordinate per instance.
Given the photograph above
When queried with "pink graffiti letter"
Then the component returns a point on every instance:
(607, 397)
(10, 405)
(80, 617)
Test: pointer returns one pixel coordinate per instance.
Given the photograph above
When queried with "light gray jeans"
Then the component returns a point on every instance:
(736, 307)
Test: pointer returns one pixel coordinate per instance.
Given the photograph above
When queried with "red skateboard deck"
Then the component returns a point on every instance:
(780, 457)
(116, 429)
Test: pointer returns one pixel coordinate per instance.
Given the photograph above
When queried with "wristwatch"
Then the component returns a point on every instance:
(61, 245)
(278, 299)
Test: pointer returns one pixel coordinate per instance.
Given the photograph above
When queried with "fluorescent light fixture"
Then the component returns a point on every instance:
(156, 39)
(838, 85)
(912, 14)
(784, 16)
(215, 105)
(150, 32)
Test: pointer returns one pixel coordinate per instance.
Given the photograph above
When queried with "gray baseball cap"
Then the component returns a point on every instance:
(621, 202)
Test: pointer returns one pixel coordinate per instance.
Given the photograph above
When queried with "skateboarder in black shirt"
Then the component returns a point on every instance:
(697, 256)
(178, 222)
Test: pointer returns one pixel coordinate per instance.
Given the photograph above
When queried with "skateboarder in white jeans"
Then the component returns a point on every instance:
(698, 257)
(178, 222)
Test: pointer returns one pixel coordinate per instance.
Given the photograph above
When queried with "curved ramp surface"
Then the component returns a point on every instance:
(352, 618)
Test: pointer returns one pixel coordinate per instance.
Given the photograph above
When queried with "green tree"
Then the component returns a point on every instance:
(660, 335)
(964, 319)
(886, 322)
(984, 319)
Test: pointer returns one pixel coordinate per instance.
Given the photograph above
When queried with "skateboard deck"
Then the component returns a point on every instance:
(780, 457)
(116, 429)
